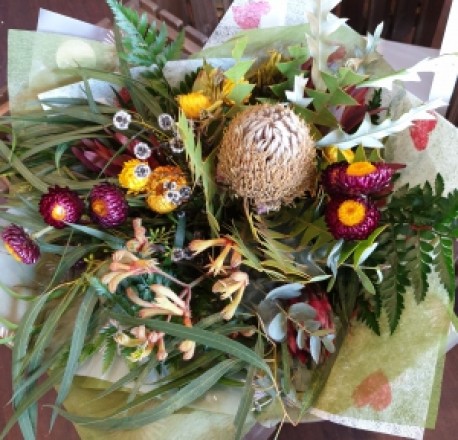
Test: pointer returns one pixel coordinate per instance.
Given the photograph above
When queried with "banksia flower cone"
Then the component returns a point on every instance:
(267, 157)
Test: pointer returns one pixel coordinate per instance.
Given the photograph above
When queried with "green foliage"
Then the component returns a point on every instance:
(374, 104)
(202, 169)
(421, 221)
(145, 44)
(109, 347)
(369, 313)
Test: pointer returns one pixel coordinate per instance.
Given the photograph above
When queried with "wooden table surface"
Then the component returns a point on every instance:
(22, 14)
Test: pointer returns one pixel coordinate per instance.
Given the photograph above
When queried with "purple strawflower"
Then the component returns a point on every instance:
(108, 206)
(20, 245)
(357, 178)
(60, 206)
(351, 218)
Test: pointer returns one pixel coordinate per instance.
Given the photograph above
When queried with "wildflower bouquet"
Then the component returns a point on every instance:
(230, 234)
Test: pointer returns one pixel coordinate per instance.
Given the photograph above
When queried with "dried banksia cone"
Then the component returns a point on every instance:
(267, 157)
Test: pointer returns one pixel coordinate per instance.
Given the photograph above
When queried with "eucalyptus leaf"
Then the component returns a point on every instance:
(287, 291)
(201, 336)
(77, 343)
(301, 312)
(334, 256)
(246, 401)
(328, 342)
(315, 348)
(277, 327)
(111, 240)
(365, 280)
(178, 400)
(300, 339)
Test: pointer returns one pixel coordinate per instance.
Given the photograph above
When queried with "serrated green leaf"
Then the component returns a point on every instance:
(369, 134)
(238, 70)
(240, 92)
(239, 48)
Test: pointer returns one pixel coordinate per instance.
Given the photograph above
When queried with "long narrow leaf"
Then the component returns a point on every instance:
(76, 346)
(22, 169)
(21, 343)
(201, 336)
(31, 398)
(246, 401)
(180, 399)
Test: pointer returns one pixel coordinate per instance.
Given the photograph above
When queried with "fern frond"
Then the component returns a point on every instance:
(146, 44)
(369, 316)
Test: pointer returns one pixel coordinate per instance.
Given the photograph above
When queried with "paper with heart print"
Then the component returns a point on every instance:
(251, 14)
(388, 383)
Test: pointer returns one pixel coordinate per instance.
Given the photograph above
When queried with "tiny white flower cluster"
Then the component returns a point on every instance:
(175, 195)
(122, 120)
(142, 151)
(142, 171)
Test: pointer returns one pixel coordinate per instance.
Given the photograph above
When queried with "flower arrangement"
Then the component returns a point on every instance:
(230, 229)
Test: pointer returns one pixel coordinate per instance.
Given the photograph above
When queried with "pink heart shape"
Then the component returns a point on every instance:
(420, 131)
(249, 16)
(373, 391)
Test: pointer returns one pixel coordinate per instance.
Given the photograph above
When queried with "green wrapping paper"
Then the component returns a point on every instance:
(191, 424)
(37, 62)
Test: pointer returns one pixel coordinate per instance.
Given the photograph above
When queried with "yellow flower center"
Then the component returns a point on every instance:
(13, 253)
(351, 212)
(360, 169)
(58, 213)
(100, 208)
(193, 104)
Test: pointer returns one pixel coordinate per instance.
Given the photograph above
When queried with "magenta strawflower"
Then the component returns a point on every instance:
(20, 245)
(331, 176)
(107, 205)
(357, 178)
(60, 206)
(351, 218)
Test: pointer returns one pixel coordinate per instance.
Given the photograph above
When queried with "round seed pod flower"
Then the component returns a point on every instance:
(60, 206)
(167, 189)
(107, 205)
(267, 157)
(20, 245)
(193, 104)
(352, 218)
(357, 178)
(121, 120)
(134, 175)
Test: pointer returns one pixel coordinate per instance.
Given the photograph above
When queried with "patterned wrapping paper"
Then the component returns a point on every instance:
(388, 384)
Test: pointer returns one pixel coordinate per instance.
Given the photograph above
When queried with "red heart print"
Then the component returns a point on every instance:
(420, 130)
(373, 391)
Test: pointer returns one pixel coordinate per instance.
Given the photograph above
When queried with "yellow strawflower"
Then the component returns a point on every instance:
(134, 175)
(193, 104)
